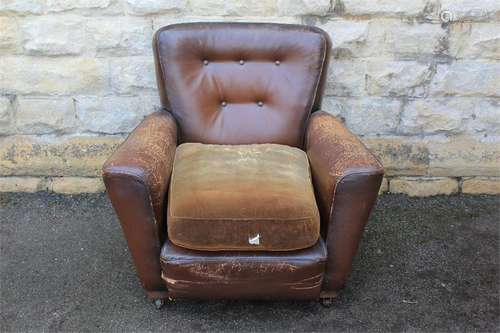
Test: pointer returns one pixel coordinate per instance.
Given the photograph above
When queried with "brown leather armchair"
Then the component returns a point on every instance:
(242, 187)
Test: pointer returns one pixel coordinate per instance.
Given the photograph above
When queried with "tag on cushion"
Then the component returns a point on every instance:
(254, 240)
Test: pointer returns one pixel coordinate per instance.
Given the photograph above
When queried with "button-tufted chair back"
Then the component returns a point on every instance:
(241, 83)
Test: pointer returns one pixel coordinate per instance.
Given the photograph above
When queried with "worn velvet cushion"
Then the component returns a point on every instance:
(242, 197)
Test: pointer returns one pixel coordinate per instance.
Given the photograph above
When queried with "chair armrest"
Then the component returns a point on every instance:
(136, 178)
(346, 179)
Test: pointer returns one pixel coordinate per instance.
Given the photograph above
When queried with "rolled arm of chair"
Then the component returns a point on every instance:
(136, 178)
(346, 178)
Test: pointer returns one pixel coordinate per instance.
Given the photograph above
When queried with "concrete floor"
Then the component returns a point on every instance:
(427, 264)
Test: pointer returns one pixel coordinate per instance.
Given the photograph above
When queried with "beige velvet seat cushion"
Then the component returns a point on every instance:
(242, 197)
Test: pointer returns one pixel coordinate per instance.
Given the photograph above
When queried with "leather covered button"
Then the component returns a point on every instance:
(205, 62)
(260, 103)
(277, 62)
(223, 103)
(242, 62)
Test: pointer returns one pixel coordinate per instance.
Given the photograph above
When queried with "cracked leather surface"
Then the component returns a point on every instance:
(346, 178)
(148, 155)
(136, 178)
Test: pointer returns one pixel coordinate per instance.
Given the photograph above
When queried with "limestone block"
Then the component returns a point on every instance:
(463, 10)
(466, 78)
(424, 187)
(9, 36)
(475, 40)
(400, 155)
(42, 115)
(150, 7)
(397, 78)
(79, 156)
(133, 37)
(459, 156)
(109, 114)
(6, 126)
(76, 185)
(384, 7)
(22, 184)
(47, 35)
(371, 116)
(22, 7)
(409, 41)
(432, 116)
(303, 7)
(481, 185)
(349, 37)
(132, 73)
(65, 5)
(57, 76)
(346, 78)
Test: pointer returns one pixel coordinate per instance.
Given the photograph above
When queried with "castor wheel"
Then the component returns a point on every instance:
(327, 302)
(159, 303)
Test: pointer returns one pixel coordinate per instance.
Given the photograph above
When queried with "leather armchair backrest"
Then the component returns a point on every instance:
(241, 83)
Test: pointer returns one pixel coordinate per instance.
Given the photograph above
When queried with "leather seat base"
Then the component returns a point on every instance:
(243, 274)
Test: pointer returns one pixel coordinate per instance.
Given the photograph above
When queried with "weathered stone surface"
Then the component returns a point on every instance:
(60, 76)
(9, 37)
(464, 156)
(55, 155)
(132, 38)
(423, 187)
(22, 184)
(432, 116)
(65, 185)
(47, 35)
(397, 78)
(75, 185)
(485, 117)
(64, 5)
(410, 41)
(146, 7)
(466, 78)
(384, 7)
(42, 115)
(5, 116)
(400, 155)
(478, 185)
(24, 7)
(451, 115)
(369, 116)
(110, 114)
(303, 7)
(218, 8)
(475, 40)
(132, 73)
(471, 9)
(346, 78)
(348, 37)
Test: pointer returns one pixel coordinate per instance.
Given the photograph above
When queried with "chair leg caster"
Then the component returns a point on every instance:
(159, 303)
(327, 302)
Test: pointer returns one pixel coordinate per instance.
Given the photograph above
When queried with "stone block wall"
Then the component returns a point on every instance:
(418, 80)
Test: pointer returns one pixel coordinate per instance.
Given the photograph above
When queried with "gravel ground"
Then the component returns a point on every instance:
(428, 264)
